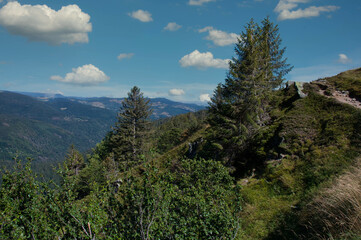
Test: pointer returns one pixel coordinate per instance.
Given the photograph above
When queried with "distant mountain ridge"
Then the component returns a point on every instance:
(43, 126)
(162, 107)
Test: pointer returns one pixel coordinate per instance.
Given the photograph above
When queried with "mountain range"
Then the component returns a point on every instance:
(43, 126)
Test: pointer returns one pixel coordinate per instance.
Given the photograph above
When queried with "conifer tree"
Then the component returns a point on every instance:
(74, 162)
(240, 106)
(130, 131)
(276, 67)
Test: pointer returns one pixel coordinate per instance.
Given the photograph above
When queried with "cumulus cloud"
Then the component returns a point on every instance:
(141, 15)
(199, 2)
(176, 92)
(284, 10)
(218, 37)
(86, 75)
(125, 55)
(172, 26)
(203, 60)
(342, 58)
(205, 98)
(41, 23)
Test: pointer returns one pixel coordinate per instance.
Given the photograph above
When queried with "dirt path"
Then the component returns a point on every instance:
(343, 97)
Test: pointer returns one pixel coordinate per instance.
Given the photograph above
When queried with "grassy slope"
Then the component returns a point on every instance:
(310, 142)
(349, 81)
(320, 138)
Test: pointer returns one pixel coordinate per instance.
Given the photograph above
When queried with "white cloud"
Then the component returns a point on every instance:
(219, 37)
(176, 92)
(41, 23)
(203, 60)
(199, 2)
(342, 58)
(288, 4)
(206, 29)
(125, 55)
(172, 26)
(305, 13)
(284, 10)
(85, 75)
(141, 15)
(205, 98)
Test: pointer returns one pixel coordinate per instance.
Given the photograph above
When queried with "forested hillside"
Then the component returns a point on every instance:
(266, 160)
(44, 131)
(43, 126)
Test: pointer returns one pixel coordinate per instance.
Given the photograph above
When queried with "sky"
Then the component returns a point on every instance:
(175, 49)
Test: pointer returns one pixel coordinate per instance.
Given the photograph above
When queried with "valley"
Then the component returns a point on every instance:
(43, 127)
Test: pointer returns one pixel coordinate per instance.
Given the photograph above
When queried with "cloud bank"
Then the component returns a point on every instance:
(141, 15)
(285, 12)
(43, 24)
(86, 75)
(203, 60)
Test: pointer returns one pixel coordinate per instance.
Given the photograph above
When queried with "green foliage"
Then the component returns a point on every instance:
(240, 106)
(283, 149)
(205, 203)
(196, 199)
(21, 200)
(171, 132)
(130, 131)
(264, 209)
(311, 141)
(169, 139)
(74, 162)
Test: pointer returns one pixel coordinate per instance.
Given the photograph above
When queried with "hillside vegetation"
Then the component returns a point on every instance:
(311, 141)
(264, 161)
(44, 131)
(348, 81)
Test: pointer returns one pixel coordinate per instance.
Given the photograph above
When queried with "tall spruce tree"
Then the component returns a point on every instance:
(275, 65)
(130, 131)
(240, 106)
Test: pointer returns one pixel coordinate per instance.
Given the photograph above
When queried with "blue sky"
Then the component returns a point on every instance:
(175, 49)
